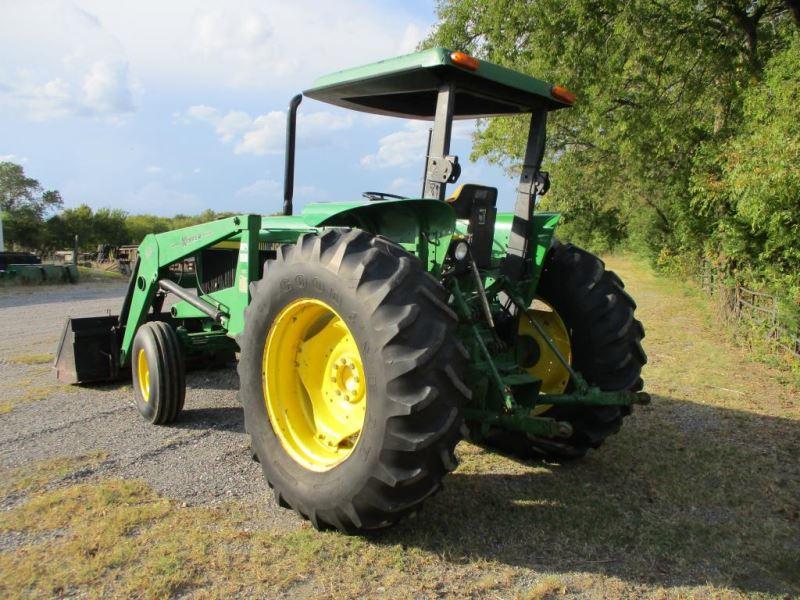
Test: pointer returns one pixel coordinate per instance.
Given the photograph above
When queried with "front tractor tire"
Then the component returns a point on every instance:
(351, 380)
(159, 373)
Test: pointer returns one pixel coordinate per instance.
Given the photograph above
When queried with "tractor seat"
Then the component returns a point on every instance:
(465, 196)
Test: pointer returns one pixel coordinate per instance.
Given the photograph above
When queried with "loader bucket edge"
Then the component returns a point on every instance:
(88, 350)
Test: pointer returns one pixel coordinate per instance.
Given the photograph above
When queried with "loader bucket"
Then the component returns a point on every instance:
(89, 350)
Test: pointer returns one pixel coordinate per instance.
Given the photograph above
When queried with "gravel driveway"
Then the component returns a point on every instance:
(201, 459)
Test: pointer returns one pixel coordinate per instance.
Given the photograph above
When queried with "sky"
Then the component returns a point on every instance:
(176, 106)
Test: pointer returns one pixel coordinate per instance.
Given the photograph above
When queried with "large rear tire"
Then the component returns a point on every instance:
(387, 326)
(605, 340)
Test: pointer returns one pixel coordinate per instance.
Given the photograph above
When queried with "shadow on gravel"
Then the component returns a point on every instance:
(686, 494)
(212, 378)
(224, 418)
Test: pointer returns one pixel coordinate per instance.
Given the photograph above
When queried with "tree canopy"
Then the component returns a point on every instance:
(684, 141)
(24, 204)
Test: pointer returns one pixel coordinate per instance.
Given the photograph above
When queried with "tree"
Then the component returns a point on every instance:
(685, 141)
(660, 90)
(139, 226)
(24, 205)
(754, 180)
(77, 221)
(109, 227)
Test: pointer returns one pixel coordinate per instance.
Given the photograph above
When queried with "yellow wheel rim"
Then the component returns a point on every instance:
(548, 368)
(314, 384)
(143, 373)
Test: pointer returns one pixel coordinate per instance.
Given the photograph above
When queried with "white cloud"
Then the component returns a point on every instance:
(87, 57)
(153, 169)
(265, 133)
(405, 187)
(413, 34)
(400, 148)
(107, 89)
(244, 39)
(20, 160)
(407, 146)
(256, 44)
(61, 61)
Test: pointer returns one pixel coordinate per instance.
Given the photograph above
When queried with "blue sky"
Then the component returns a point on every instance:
(177, 106)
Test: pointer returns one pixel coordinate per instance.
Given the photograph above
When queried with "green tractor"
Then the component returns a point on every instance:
(372, 336)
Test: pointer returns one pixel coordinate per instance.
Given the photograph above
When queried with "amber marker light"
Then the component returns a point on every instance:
(563, 94)
(464, 60)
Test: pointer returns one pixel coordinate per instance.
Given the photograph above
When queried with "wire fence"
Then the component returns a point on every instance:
(756, 310)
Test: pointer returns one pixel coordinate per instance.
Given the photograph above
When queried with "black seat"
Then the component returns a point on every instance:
(465, 196)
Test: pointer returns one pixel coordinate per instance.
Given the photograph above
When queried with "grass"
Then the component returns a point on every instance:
(91, 274)
(31, 359)
(698, 496)
(34, 478)
(25, 394)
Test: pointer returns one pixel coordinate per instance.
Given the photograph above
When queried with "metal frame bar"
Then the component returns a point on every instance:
(161, 250)
(288, 173)
(518, 239)
(439, 143)
(204, 307)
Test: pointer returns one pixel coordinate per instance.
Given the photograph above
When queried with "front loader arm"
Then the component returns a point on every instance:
(158, 251)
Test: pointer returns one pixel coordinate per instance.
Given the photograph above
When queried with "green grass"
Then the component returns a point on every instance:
(90, 274)
(698, 496)
(23, 391)
(34, 478)
(31, 359)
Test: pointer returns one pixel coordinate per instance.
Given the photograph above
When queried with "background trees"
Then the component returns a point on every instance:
(684, 142)
(30, 220)
(24, 205)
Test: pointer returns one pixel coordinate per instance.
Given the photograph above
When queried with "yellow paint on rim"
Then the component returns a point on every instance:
(143, 373)
(314, 384)
(548, 368)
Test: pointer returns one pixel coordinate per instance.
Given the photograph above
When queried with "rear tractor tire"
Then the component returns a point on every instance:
(602, 336)
(159, 373)
(351, 380)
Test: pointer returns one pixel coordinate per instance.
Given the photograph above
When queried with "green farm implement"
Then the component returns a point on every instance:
(372, 336)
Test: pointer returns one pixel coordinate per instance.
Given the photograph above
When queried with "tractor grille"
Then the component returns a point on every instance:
(218, 267)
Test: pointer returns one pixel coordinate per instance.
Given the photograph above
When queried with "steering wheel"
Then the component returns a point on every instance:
(382, 196)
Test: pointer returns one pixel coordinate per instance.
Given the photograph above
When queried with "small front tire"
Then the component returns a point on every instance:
(159, 373)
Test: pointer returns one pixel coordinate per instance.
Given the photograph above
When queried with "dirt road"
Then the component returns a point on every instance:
(202, 459)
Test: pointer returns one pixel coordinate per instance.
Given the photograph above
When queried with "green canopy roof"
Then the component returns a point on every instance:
(406, 86)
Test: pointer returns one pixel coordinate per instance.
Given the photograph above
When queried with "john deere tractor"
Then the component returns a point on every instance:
(374, 335)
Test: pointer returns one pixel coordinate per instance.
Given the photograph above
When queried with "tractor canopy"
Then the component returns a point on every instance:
(408, 86)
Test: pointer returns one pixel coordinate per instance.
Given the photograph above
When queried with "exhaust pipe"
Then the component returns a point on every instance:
(288, 176)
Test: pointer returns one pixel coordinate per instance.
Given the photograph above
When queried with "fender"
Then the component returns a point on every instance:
(422, 226)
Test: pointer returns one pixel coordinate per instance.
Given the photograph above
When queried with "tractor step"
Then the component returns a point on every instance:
(88, 350)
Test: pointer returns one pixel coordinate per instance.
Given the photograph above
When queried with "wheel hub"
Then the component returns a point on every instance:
(347, 379)
(143, 373)
(314, 384)
(547, 367)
